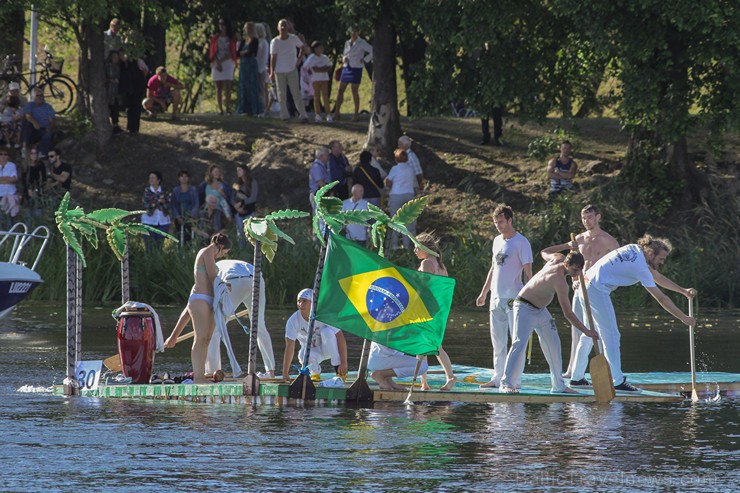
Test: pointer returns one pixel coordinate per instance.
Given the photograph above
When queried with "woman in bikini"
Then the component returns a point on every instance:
(434, 265)
(200, 304)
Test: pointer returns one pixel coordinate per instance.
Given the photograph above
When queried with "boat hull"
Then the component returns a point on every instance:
(16, 283)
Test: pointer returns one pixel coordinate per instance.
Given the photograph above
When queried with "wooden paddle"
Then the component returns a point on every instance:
(601, 374)
(408, 400)
(694, 394)
(113, 363)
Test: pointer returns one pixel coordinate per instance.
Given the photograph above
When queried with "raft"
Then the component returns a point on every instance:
(657, 387)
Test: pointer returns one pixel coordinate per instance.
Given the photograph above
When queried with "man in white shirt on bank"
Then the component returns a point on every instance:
(9, 203)
(356, 232)
(511, 268)
(285, 51)
(404, 142)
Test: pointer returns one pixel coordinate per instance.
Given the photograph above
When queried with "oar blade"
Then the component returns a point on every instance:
(359, 391)
(113, 363)
(601, 379)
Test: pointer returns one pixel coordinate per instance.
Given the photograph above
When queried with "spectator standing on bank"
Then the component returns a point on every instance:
(112, 80)
(319, 66)
(404, 143)
(223, 58)
(249, 87)
(369, 177)
(263, 58)
(402, 184)
(356, 53)
(339, 169)
(185, 206)
(285, 52)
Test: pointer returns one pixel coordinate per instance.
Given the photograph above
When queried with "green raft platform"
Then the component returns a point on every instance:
(657, 387)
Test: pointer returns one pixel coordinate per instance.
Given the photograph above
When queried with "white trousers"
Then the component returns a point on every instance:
(605, 321)
(575, 334)
(285, 81)
(501, 325)
(402, 364)
(241, 292)
(526, 319)
(327, 350)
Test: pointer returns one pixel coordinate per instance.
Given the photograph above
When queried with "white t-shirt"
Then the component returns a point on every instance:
(509, 258)
(286, 51)
(404, 179)
(317, 61)
(7, 171)
(624, 266)
(356, 232)
(296, 329)
(414, 162)
(357, 54)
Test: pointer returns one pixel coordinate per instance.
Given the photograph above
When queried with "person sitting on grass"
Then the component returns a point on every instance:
(161, 91)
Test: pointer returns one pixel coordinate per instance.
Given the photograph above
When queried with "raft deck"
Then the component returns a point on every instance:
(657, 387)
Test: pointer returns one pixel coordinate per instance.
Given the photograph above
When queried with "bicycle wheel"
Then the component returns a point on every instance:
(60, 93)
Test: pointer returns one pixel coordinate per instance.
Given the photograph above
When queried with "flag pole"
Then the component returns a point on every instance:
(302, 387)
(408, 400)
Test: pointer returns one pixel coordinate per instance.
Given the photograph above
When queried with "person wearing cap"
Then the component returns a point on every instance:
(14, 90)
(327, 342)
(404, 143)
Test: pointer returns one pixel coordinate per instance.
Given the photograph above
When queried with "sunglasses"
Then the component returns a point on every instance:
(52, 156)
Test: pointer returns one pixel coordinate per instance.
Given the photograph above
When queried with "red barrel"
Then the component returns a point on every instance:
(136, 344)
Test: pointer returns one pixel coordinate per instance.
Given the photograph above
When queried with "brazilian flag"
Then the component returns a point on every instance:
(366, 295)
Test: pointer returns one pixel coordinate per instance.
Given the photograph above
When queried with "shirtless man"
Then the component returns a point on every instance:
(593, 244)
(530, 313)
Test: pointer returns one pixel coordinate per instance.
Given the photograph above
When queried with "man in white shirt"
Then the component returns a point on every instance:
(8, 194)
(404, 142)
(625, 266)
(327, 342)
(512, 257)
(284, 56)
(356, 232)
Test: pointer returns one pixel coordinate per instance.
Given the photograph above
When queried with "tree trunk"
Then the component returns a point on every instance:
(96, 86)
(12, 28)
(385, 123)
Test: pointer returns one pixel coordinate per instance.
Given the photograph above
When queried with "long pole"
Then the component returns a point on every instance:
(78, 310)
(125, 276)
(252, 382)
(34, 45)
(413, 381)
(694, 393)
(71, 386)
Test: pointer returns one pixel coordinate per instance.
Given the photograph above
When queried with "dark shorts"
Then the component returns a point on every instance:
(351, 75)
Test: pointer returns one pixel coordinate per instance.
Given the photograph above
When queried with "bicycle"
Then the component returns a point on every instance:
(59, 90)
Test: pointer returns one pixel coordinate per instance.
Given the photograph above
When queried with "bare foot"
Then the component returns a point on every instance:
(489, 385)
(567, 390)
(508, 390)
(396, 386)
(424, 386)
(450, 383)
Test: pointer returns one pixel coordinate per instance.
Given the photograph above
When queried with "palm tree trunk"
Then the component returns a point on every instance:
(252, 383)
(71, 387)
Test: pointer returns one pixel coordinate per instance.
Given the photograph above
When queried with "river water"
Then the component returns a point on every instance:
(53, 444)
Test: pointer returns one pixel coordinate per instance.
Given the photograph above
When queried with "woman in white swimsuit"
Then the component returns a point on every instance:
(200, 304)
(434, 265)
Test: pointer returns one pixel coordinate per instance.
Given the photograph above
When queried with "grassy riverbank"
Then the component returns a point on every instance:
(465, 181)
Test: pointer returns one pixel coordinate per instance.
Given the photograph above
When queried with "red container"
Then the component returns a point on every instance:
(136, 344)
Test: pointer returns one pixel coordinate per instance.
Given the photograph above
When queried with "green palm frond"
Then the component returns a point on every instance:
(410, 211)
(286, 214)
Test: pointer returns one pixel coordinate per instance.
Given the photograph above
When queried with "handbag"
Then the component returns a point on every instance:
(338, 74)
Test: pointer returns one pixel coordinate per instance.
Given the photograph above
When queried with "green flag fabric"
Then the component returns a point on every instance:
(366, 295)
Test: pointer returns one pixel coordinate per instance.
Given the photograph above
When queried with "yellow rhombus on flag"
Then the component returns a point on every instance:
(364, 294)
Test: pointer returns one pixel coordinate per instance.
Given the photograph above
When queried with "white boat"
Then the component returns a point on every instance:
(17, 280)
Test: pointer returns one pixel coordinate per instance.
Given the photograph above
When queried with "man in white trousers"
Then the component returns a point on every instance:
(512, 258)
(593, 244)
(238, 276)
(530, 313)
(625, 266)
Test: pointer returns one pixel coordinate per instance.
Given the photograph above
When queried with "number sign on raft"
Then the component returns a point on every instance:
(88, 374)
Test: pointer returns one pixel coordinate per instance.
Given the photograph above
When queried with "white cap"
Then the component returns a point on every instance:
(14, 86)
(306, 294)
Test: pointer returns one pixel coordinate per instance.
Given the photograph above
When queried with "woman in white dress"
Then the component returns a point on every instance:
(223, 57)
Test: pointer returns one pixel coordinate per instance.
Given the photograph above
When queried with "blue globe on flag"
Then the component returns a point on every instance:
(386, 299)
